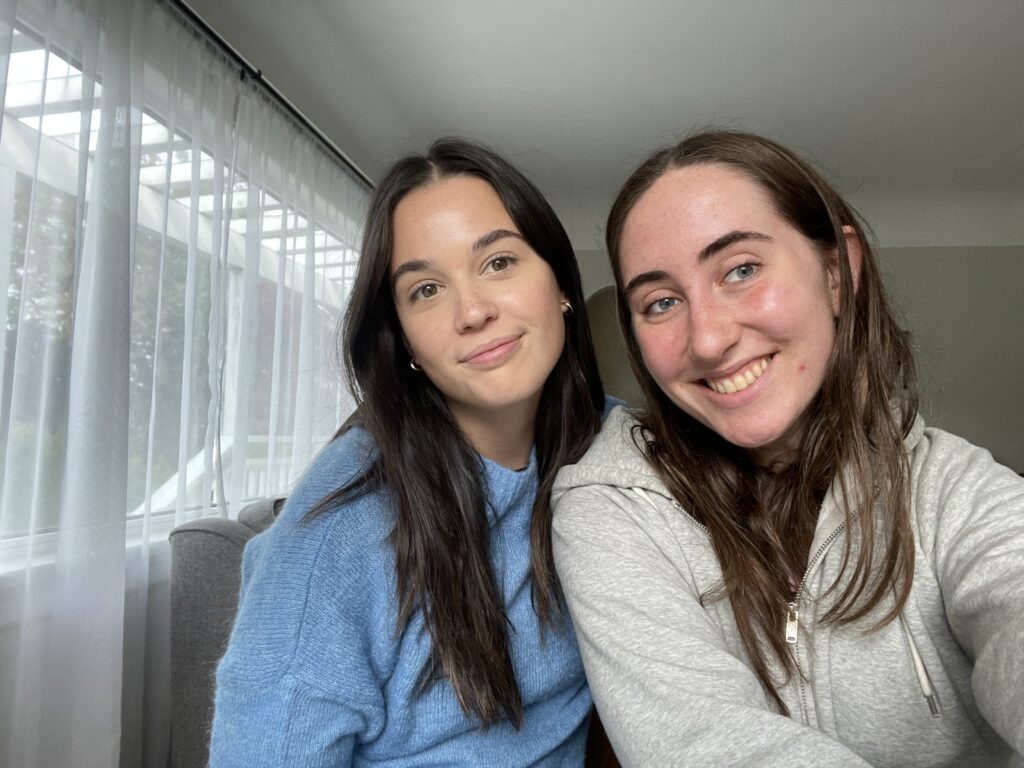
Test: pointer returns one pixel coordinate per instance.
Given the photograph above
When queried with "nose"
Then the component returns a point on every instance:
(713, 330)
(474, 308)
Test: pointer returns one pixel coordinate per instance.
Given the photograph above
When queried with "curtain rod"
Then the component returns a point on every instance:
(257, 75)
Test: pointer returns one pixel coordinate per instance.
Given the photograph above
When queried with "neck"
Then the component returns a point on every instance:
(773, 461)
(504, 437)
(782, 453)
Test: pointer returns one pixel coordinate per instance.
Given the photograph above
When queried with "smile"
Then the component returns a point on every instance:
(492, 352)
(741, 380)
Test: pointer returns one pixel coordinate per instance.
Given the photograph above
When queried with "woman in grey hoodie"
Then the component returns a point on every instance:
(777, 563)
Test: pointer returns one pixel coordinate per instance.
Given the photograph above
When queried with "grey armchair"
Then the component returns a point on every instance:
(206, 559)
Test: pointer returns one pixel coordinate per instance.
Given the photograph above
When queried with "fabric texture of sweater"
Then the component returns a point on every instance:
(669, 674)
(315, 674)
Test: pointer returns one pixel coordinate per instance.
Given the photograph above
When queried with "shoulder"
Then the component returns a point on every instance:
(613, 460)
(298, 532)
(613, 495)
(958, 489)
(340, 461)
(608, 474)
(320, 585)
(943, 464)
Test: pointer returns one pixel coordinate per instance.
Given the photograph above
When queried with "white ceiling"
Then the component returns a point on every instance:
(915, 107)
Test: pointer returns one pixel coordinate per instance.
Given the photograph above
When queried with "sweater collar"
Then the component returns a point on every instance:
(509, 489)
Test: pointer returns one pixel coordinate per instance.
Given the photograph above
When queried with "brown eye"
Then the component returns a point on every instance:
(425, 291)
(501, 262)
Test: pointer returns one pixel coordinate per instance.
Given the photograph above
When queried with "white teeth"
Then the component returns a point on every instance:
(740, 381)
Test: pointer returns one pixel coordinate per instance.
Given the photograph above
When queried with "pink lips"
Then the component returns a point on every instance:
(492, 352)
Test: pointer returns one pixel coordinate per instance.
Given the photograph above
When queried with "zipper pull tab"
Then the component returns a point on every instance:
(792, 623)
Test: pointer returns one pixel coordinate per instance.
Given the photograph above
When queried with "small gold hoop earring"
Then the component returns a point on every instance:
(414, 365)
(566, 308)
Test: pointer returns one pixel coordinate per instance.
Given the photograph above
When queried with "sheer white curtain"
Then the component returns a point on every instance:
(177, 251)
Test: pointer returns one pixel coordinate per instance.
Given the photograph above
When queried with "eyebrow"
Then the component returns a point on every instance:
(420, 265)
(494, 236)
(728, 239)
(645, 277)
(706, 253)
(416, 265)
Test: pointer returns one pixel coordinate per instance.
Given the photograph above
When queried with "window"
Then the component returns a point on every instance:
(177, 250)
(212, 244)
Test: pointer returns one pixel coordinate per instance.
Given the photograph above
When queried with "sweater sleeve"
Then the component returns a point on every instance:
(669, 690)
(301, 681)
(284, 722)
(971, 512)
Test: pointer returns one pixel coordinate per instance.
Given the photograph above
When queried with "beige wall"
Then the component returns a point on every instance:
(594, 269)
(965, 310)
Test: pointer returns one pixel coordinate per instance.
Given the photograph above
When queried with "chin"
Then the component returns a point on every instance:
(751, 441)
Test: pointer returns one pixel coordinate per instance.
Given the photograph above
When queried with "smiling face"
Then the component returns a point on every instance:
(731, 306)
(480, 310)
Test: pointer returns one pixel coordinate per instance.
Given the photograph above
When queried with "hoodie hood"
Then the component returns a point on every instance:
(615, 460)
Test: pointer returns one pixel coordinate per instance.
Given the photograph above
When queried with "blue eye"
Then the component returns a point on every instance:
(660, 306)
(741, 273)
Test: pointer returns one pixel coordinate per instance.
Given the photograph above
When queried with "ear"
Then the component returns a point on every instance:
(563, 303)
(854, 256)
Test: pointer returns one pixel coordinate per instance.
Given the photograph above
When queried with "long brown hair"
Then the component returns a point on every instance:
(424, 463)
(761, 521)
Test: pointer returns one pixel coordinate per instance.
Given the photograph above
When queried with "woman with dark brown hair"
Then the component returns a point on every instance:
(403, 610)
(777, 563)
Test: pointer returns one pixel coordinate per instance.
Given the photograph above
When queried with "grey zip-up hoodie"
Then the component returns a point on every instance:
(941, 686)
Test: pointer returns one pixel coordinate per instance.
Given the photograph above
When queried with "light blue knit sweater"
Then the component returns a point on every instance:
(314, 674)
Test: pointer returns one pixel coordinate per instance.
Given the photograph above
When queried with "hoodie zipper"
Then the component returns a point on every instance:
(792, 622)
(686, 514)
(793, 613)
(793, 607)
(690, 518)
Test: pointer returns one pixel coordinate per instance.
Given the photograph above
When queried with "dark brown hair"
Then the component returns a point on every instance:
(427, 467)
(761, 520)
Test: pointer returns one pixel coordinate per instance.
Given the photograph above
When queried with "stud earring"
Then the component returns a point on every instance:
(566, 308)
(414, 365)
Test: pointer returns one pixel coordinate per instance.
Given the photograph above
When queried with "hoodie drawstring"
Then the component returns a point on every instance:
(922, 672)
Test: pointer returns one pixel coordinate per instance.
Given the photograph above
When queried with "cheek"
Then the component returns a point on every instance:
(776, 301)
(408, 339)
(557, 333)
(543, 310)
(421, 336)
(660, 351)
(790, 312)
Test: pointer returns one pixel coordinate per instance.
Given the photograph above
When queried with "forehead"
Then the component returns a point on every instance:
(687, 208)
(452, 212)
